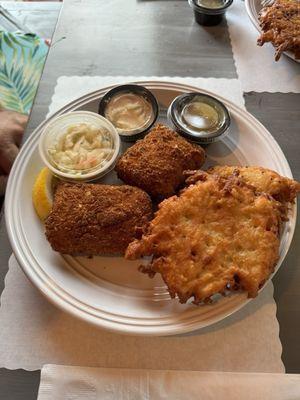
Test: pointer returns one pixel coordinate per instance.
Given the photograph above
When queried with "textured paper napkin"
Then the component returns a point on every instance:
(256, 67)
(61, 382)
(34, 332)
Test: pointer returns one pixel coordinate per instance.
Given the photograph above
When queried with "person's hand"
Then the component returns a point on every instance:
(12, 125)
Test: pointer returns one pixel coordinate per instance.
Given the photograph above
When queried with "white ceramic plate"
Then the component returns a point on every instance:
(109, 291)
(253, 8)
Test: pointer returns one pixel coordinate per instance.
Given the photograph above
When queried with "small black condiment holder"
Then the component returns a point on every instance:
(176, 108)
(209, 16)
(131, 88)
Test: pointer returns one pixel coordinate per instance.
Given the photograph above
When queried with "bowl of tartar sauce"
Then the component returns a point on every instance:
(79, 146)
(132, 109)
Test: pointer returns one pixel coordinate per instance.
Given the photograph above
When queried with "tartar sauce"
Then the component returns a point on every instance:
(129, 111)
(82, 147)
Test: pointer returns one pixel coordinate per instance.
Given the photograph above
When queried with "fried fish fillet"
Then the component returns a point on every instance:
(263, 180)
(156, 163)
(280, 23)
(92, 219)
(217, 235)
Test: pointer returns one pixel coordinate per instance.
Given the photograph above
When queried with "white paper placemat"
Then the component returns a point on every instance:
(256, 67)
(34, 333)
(61, 382)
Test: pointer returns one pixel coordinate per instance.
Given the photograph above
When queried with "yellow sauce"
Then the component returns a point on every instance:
(200, 116)
(129, 112)
(82, 147)
(211, 3)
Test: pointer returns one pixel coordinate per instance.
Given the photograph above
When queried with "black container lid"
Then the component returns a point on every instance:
(136, 89)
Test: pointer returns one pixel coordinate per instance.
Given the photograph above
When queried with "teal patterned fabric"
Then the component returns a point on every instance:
(22, 58)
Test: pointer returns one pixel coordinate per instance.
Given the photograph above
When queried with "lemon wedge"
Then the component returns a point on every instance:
(42, 193)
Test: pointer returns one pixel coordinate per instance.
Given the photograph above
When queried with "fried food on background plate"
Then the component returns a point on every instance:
(156, 163)
(263, 180)
(280, 24)
(217, 235)
(93, 219)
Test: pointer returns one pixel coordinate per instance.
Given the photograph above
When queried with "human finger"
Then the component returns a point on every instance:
(8, 153)
(22, 119)
(3, 182)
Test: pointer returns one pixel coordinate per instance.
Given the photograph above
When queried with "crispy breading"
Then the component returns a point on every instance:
(263, 180)
(92, 219)
(217, 235)
(280, 24)
(156, 163)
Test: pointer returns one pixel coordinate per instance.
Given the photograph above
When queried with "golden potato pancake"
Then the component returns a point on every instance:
(280, 24)
(263, 180)
(217, 235)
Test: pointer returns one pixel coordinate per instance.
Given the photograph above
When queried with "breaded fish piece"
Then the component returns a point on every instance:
(156, 163)
(92, 219)
(264, 180)
(217, 235)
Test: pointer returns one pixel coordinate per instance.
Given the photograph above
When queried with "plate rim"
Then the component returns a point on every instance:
(251, 14)
(53, 296)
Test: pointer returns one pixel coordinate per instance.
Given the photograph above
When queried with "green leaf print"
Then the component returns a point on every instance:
(21, 63)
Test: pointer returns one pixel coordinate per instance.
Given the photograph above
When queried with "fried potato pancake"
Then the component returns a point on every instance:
(156, 163)
(263, 180)
(93, 219)
(217, 235)
(280, 23)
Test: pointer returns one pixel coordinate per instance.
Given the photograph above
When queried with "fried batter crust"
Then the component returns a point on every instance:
(263, 180)
(92, 219)
(280, 23)
(156, 163)
(218, 235)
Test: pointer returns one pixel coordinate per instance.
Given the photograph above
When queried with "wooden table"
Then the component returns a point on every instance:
(136, 37)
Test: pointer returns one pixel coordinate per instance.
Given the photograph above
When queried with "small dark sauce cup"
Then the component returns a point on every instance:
(133, 135)
(206, 15)
(194, 134)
